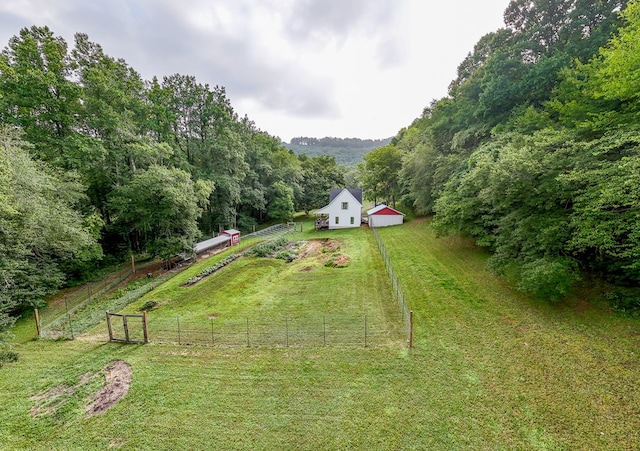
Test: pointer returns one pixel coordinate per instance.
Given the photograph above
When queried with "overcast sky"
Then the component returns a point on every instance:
(343, 68)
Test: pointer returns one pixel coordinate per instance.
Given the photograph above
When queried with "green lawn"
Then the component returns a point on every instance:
(491, 369)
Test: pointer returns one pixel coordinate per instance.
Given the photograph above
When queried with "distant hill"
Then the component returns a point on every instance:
(347, 151)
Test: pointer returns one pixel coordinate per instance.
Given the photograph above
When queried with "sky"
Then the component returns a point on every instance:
(340, 68)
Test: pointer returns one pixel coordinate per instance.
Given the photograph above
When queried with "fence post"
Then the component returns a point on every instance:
(37, 314)
(70, 326)
(125, 325)
(109, 326)
(145, 329)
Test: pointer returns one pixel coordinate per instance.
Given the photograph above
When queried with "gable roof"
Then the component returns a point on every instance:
(385, 210)
(355, 192)
(327, 208)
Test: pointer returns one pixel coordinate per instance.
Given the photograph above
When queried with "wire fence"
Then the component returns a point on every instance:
(90, 311)
(56, 314)
(344, 331)
(397, 288)
(79, 312)
(277, 229)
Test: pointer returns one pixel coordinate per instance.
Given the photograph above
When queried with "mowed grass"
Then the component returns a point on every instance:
(491, 369)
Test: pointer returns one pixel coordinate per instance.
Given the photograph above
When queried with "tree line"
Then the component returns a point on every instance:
(97, 163)
(355, 143)
(535, 150)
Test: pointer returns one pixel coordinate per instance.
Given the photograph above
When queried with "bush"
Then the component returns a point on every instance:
(287, 255)
(148, 305)
(8, 357)
(548, 278)
(268, 247)
(624, 300)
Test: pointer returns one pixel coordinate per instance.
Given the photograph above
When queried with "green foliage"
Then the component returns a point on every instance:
(81, 109)
(8, 357)
(211, 269)
(321, 174)
(281, 206)
(40, 227)
(148, 305)
(379, 174)
(534, 152)
(503, 371)
(268, 247)
(548, 278)
(158, 211)
(625, 300)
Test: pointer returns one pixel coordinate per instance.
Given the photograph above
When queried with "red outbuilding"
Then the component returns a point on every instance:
(383, 216)
(234, 236)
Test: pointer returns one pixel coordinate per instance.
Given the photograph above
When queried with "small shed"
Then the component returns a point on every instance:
(234, 236)
(383, 216)
(225, 239)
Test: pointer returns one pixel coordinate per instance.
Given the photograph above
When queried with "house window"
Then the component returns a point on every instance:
(337, 219)
(353, 221)
(345, 205)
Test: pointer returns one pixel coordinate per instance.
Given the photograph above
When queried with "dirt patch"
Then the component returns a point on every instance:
(338, 261)
(581, 306)
(306, 269)
(213, 315)
(324, 246)
(117, 376)
(330, 245)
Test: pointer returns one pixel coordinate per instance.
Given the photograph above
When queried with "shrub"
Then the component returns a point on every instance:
(148, 305)
(8, 357)
(548, 278)
(268, 247)
(624, 300)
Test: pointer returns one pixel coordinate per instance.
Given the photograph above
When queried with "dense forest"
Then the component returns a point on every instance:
(346, 151)
(535, 151)
(97, 163)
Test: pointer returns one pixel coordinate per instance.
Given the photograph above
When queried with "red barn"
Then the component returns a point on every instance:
(383, 216)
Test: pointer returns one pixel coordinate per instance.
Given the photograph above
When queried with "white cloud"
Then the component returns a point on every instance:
(362, 68)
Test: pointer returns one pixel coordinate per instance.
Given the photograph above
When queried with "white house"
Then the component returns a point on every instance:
(383, 216)
(343, 211)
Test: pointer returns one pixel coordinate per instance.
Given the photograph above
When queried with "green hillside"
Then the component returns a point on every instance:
(347, 151)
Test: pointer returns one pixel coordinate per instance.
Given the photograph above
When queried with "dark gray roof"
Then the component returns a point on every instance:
(355, 192)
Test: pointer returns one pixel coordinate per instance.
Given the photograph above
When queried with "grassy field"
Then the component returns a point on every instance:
(303, 297)
(491, 368)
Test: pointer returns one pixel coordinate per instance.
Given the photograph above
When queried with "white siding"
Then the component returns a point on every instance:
(334, 210)
(385, 220)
